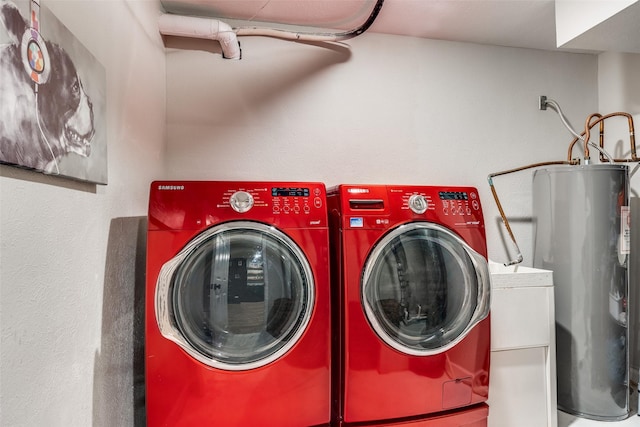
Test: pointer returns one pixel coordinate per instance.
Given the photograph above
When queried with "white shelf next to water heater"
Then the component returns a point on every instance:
(523, 376)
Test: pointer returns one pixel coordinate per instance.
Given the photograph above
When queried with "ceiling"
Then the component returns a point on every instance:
(515, 23)
(602, 25)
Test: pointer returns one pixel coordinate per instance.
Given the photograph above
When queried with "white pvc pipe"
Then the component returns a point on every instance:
(288, 35)
(202, 28)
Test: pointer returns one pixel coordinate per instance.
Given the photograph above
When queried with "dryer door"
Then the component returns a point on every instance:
(237, 297)
(423, 288)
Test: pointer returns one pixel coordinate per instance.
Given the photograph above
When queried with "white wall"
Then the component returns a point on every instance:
(70, 252)
(391, 109)
(619, 90)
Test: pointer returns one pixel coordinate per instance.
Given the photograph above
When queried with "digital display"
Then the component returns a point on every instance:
(453, 195)
(290, 192)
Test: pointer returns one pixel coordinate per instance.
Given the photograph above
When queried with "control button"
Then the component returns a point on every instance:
(307, 208)
(241, 201)
(317, 202)
(418, 204)
(296, 208)
(475, 205)
(286, 208)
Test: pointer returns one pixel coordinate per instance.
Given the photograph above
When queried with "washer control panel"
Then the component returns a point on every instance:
(462, 203)
(380, 206)
(418, 203)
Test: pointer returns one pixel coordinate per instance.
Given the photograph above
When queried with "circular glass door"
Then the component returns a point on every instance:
(237, 297)
(423, 288)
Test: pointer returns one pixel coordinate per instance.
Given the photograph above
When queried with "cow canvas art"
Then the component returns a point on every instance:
(52, 96)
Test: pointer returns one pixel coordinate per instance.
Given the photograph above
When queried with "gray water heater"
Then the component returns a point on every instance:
(581, 220)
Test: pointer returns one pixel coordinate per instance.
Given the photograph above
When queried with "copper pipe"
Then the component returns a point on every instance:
(519, 258)
(632, 144)
(571, 145)
(587, 133)
(632, 138)
(531, 166)
(585, 140)
(601, 138)
(589, 124)
(505, 221)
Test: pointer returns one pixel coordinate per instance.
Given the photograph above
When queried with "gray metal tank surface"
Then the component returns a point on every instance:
(581, 233)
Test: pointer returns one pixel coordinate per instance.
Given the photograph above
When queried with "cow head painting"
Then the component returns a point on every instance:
(40, 121)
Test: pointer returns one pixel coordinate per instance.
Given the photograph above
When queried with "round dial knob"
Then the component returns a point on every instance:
(418, 204)
(241, 201)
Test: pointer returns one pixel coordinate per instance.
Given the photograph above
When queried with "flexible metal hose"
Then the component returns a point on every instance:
(319, 36)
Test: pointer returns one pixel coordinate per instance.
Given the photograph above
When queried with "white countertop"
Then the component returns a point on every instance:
(517, 276)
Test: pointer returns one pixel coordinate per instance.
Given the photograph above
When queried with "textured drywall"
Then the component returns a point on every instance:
(70, 252)
(390, 109)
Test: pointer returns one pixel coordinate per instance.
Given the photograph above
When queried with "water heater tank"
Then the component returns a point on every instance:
(581, 220)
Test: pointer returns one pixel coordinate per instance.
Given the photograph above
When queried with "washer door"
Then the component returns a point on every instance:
(237, 297)
(423, 288)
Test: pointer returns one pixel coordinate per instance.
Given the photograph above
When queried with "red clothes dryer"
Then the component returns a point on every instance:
(237, 305)
(411, 318)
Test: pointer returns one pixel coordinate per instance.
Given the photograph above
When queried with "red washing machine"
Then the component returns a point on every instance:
(411, 317)
(238, 305)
